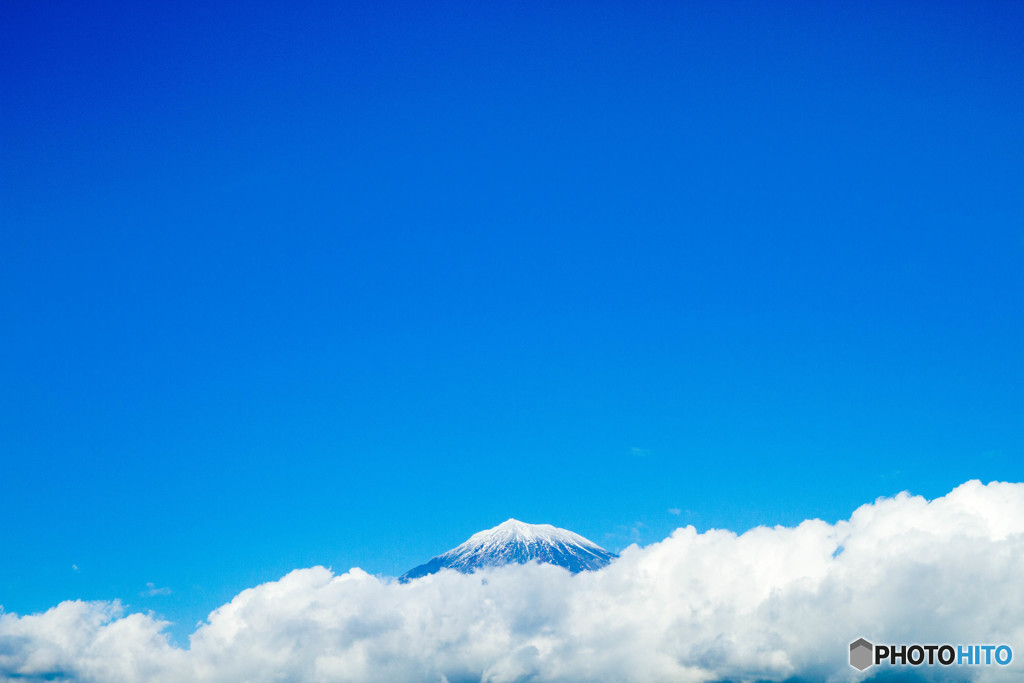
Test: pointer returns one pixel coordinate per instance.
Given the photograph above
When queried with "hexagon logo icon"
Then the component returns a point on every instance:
(862, 654)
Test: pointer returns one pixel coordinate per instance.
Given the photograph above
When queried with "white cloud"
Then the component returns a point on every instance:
(675, 511)
(152, 590)
(768, 604)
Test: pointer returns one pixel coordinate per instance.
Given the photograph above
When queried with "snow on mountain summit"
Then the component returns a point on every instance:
(515, 542)
(514, 531)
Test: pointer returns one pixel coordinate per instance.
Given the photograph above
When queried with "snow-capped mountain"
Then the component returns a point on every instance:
(517, 542)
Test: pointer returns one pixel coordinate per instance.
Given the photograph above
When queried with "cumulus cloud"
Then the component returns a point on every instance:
(770, 604)
(153, 590)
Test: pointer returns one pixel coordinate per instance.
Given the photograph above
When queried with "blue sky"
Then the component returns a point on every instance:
(342, 284)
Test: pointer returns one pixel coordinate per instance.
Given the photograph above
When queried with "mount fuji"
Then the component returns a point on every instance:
(515, 542)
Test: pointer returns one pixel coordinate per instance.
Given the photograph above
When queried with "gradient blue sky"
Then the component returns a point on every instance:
(344, 283)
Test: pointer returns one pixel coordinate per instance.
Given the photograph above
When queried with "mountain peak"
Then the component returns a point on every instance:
(515, 542)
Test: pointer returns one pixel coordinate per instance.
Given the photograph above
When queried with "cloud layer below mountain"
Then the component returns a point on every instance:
(770, 604)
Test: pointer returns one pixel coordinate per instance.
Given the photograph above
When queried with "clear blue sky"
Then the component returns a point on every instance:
(343, 283)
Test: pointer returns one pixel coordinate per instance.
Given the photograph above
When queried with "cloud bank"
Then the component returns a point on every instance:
(770, 604)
